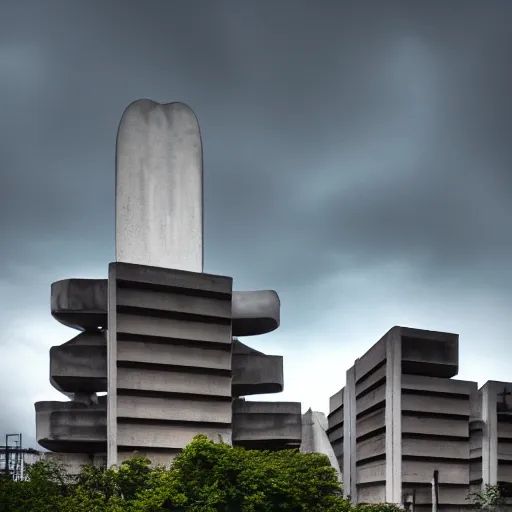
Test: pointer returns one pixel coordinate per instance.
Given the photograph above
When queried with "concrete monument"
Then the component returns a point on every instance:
(158, 335)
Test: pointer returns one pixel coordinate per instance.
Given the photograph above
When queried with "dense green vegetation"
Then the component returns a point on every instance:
(206, 477)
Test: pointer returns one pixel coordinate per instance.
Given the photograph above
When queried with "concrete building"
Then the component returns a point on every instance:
(174, 367)
(491, 436)
(157, 335)
(401, 418)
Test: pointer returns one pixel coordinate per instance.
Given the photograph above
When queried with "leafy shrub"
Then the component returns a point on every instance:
(489, 498)
(377, 507)
(205, 477)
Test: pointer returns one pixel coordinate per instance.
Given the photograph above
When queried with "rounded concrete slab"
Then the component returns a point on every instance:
(159, 187)
(80, 365)
(255, 312)
(255, 373)
(80, 303)
(71, 427)
(267, 425)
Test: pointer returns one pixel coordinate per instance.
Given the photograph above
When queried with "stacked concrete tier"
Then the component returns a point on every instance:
(173, 366)
(266, 425)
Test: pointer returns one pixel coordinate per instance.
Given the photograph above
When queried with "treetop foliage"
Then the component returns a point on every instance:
(205, 477)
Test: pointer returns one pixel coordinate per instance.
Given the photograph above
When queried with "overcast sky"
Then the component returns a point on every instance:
(357, 159)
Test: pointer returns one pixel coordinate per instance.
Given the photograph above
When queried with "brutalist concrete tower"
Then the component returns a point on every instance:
(400, 418)
(157, 335)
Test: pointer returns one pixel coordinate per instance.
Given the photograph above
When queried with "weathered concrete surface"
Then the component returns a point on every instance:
(162, 405)
(72, 427)
(82, 304)
(408, 418)
(74, 462)
(267, 425)
(80, 365)
(159, 187)
(163, 437)
(315, 438)
(491, 434)
(255, 373)
(336, 430)
(429, 353)
(255, 312)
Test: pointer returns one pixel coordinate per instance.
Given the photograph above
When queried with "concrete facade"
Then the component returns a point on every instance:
(174, 362)
(491, 435)
(157, 335)
(159, 397)
(400, 417)
(266, 425)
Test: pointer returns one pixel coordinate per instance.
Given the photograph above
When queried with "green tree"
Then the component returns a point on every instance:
(44, 491)
(205, 477)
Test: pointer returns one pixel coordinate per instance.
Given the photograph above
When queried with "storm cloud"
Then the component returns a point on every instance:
(357, 154)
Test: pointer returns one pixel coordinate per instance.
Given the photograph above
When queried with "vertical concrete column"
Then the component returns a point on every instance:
(159, 187)
(393, 418)
(349, 437)
(489, 434)
(111, 368)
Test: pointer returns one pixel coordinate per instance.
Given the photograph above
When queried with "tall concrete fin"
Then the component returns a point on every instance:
(315, 438)
(159, 187)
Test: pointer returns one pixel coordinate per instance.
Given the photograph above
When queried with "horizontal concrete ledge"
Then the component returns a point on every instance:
(173, 382)
(246, 406)
(270, 424)
(420, 472)
(151, 352)
(166, 436)
(421, 383)
(268, 444)
(173, 409)
(255, 374)
(255, 312)
(336, 400)
(82, 304)
(148, 276)
(128, 324)
(71, 426)
(80, 365)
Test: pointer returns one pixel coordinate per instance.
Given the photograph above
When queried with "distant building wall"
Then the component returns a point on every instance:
(400, 417)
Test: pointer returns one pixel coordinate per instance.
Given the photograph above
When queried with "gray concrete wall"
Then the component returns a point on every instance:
(491, 435)
(336, 430)
(157, 404)
(275, 425)
(407, 424)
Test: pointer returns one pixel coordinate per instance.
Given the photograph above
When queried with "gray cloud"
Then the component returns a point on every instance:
(357, 159)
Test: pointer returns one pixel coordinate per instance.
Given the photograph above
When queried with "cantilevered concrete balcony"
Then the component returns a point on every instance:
(255, 373)
(82, 304)
(80, 365)
(72, 427)
(267, 425)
